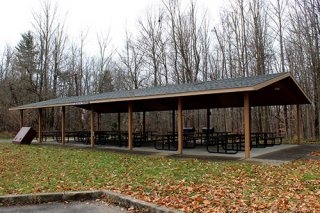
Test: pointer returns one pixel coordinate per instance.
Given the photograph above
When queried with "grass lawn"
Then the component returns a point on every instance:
(188, 185)
(7, 135)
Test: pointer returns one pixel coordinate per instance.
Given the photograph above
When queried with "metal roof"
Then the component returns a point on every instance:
(225, 86)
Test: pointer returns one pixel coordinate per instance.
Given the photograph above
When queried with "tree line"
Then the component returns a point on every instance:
(174, 43)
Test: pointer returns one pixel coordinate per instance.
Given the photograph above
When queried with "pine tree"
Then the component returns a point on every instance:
(27, 62)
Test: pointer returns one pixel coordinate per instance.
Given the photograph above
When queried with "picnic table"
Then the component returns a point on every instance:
(171, 140)
(148, 135)
(227, 144)
(265, 137)
(232, 143)
(68, 135)
(166, 142)
(46, 134)
(188, 138)
(203, 136)
(118, 138)
(83, 136)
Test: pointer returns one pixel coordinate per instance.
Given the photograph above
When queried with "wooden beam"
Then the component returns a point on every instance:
(208, 123)
(40, 125)
(21, 118)
(180, 134)
(92, 126)
(63, 126)
(298, 125)
(247, 124)
(130, 126)
(287, 91)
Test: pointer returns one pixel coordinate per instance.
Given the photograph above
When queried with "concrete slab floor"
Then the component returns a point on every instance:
(268, 155)
(149, 147)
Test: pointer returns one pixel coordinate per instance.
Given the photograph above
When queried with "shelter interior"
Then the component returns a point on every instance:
(268, 90)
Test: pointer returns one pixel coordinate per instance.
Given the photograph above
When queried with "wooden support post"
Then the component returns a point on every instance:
(21, 118)
(92, 126)
(63, 129)
(298, 125)
(180, 133)
(119, 122)
(130, 125)
(247, 124)
(208, 123)
(173, 121)
(144, 125)
(40, 125)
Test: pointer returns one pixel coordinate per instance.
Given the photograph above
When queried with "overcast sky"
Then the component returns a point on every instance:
(97, 15)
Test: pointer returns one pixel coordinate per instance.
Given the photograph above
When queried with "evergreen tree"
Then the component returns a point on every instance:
(27, 62)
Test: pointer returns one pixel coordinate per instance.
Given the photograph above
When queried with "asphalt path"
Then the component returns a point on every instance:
(71, 207)
(290, 154)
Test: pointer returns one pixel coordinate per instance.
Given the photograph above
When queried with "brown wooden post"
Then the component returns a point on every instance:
(130, 125)
(40, 125)
(21, 118)
(208, 123)
(247, 124)
(144, 125)
(180, 134)
(63, 126)
(92, 126)
(173, 121)
(298, 125)
(119, 122)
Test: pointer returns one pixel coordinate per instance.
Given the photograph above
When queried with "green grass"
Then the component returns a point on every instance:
(7, 135)
(189, 185)
(303, 141)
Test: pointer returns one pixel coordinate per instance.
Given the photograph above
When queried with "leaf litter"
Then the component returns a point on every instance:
(187, 185)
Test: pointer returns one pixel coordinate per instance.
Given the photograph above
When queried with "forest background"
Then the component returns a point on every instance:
(175, 42)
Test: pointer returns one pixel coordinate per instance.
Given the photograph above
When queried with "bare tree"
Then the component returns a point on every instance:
(132, 61)
(151, 43)
(104, 63)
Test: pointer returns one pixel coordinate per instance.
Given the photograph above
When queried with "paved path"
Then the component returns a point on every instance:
(292, 153)
(72, 207)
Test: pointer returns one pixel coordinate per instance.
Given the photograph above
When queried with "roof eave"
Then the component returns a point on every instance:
(173, 95)
(279, 78)
(41, 106)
